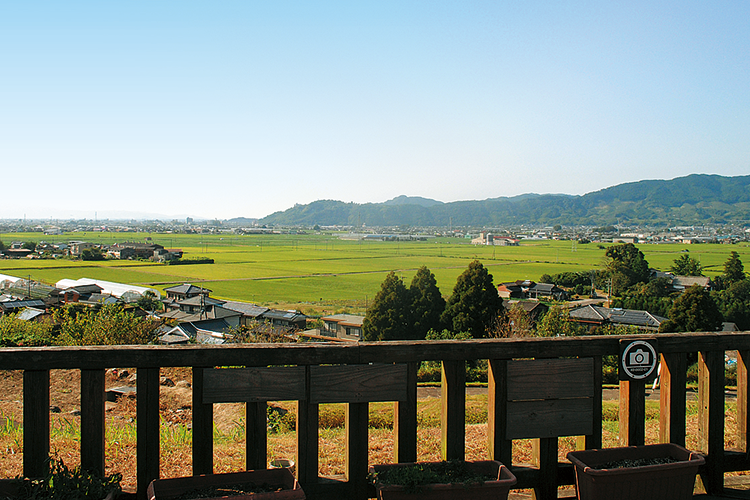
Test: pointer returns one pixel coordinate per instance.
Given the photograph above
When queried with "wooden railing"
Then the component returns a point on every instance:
(544, 477)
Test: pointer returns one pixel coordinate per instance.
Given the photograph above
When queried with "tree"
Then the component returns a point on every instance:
(29, 245)
(109, 325)
(475, 305)
(734, 303)
(427, 303)
(734, 271)
(685, 265)
(556, 323)
(389, 316)
(149, 302)
(2, 246)
(627, 266)
(92, 254)
(693, 311)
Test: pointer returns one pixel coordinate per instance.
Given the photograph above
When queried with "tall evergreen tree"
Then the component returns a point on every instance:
(693, 311)
(475, 304)
(389, 316)
(734, 271)
(627, 266)
(685, 265)
(427, 303)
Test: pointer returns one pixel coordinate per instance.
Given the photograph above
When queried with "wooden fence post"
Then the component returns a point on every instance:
(405, 420)
(672, 398)
(711, 418)
(147, 427)
(501, 449)
(203, 427)
(35, 423)
(632, 412)
(453, 412)
(92, 420)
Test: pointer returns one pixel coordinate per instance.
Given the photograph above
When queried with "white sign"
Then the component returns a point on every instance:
(638, 360)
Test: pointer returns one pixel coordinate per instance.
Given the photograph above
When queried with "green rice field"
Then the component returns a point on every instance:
(321, 271)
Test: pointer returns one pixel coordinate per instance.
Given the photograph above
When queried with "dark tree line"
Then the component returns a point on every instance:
(401, 313)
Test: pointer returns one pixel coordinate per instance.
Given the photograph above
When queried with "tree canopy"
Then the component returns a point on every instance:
(685, 265)
(693, 311)
(427, 304)
(389, 316)
(475, 305)
(627, 266)
(734, 271)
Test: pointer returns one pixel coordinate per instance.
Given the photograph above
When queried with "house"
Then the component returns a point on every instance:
(343, 326)
(682, 283)
(134, 249)
(128, 293)
(510, 290)
(598, 316)
(78, 293)
(202, 332)
(546, 291)
(285, 320)
(76, 248)
(14, 306)
(533, 308)
(185, 291)
(250, 313)
(199, 308)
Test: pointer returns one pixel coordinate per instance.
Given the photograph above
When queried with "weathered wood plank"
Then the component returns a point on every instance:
(552, 418)
(203, 427)
(711, 418)
(500, 447)
(672, 398)
(233, 385)
(307, 438)
(405, 421)
(147, 427)
(544, 456)
(358, 383)
(632, 413)
(743, 399)
(453, 413)
(531, 379)
(92, 420)
(256, 436)
(594, 440)
(357, 419)
(35, 422)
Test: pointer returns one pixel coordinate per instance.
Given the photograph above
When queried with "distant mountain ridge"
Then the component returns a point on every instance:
(692, 200)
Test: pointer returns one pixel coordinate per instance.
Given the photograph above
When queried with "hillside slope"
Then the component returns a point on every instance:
(694, 199)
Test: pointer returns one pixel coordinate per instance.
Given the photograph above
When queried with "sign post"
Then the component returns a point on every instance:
(638, 363)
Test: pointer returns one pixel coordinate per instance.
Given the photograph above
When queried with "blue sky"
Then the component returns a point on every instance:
(239, 109)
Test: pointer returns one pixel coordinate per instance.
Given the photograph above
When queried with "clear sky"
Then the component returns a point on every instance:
(242, 108)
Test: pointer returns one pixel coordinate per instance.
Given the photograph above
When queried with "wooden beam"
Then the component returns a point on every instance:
(544, 456)
(203, 426)
(307, 438)
(35, 423)
(234, 385)
(405, 420)
(632, 413)
(743, 400)
(550, 418)
(594, 440)
(534, 379)
(501, 448)
(256, 436)
(453, 411)
(357, 420)
(92, 420)
(711, 418)
(672, 398)
(358, 383)
(147, 427)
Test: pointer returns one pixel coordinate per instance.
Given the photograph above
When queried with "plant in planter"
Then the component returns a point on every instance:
(62, 483)
(262, 484)
(454, 479)
(645, 472)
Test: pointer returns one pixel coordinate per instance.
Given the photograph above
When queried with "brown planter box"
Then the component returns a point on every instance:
(489, 490)
(166, 489)
(674, 480)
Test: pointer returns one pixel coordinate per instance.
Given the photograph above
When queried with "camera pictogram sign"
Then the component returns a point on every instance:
(638, 359)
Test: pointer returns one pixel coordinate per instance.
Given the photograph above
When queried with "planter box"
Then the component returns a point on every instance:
(495, 489)
(674, 480)
(166, 489)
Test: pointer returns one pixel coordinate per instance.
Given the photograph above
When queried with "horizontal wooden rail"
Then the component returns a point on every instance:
(316, 373)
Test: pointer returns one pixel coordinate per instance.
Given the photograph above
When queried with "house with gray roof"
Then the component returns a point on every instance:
(598, 316)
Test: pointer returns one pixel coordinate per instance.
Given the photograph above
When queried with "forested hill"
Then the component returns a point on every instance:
(695, 199)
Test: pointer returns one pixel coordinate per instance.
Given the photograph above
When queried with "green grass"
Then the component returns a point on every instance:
(323, 270)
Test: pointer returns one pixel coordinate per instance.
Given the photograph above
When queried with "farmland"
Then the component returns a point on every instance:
(320, 272)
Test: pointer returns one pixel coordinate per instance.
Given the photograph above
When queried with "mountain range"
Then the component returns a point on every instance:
(696, 199)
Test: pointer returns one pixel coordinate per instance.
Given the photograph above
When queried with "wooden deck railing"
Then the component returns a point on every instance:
(309, 358)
